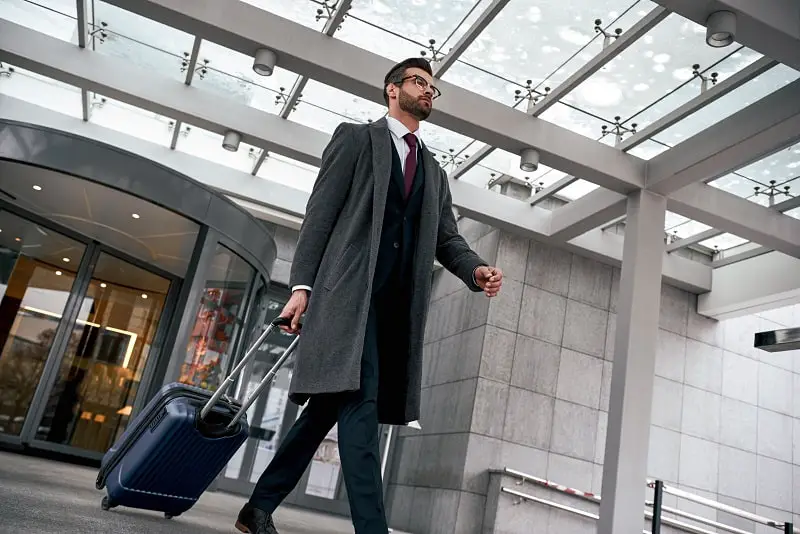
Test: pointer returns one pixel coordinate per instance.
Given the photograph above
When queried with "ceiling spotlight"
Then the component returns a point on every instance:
(231, 141)
(264, 63)
(144, 295)
(66, 260)
(135, 215)
(17, 239)
(721, 29)
(529, 160)
(37, 187)
(103, 284)
(58, 273)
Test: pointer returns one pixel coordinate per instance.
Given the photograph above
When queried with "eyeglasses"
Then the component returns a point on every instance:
(423, 85)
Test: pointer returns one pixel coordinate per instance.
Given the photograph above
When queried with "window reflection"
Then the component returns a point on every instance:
(35, 283)
(108, 347)
(219, 320)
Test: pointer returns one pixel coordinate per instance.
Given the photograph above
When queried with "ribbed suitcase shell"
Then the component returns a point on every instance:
(163, 462)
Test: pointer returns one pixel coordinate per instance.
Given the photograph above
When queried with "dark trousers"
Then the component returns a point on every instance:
(357, 415)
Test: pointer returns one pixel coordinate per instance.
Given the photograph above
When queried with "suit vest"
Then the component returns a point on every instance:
(400, 224)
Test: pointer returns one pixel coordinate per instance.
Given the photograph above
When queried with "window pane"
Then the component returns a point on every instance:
(318, 101)
(648, 150)
(723, 242)
(735, 184)
(578, 121)
(419, 21)
(131, 120)
(230, 74)
(208, 145)
(688, 229)
(219, 320)
(142, 41)
(56, 18)
(577, 190)
(652, 67)
(724, 107)
(376, 40)
(40, 90)
(780, 167)
(531, 36)
(301, 11)
(473, 79)
(794, 213)
(288, 172)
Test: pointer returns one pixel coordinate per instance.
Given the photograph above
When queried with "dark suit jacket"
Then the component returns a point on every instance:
(337, 255)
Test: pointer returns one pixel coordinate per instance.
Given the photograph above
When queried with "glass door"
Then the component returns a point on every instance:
(108, 346)
(37, 273)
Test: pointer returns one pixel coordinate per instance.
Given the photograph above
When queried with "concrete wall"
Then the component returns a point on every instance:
(522, 381)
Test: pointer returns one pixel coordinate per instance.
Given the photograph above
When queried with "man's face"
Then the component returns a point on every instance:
(415, 94)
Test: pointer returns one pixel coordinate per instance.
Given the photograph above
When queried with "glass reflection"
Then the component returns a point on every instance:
(109, 345)
(55, 18)
(35, 282)
(652, 67)
(218, 322)
(373, 38)
(40, 90)
(301, 11)
(419, 21)
(141, 41)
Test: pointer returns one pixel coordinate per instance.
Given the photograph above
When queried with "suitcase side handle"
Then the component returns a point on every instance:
(278, 321)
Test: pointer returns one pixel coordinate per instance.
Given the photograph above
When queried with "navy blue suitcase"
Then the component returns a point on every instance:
(175, 448)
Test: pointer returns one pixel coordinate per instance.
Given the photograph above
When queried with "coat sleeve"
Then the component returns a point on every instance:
(452, 249)
(324, 205)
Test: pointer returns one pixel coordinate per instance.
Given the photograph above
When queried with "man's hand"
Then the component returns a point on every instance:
(489, 279)
(296, 307)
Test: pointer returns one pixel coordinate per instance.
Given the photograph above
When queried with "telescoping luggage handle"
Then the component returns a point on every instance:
(279, 321)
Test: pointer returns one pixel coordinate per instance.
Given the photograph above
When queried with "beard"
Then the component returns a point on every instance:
(413, 106)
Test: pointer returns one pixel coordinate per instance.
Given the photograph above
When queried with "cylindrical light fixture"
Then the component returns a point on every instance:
(264, 62)
(231, 140)
(529, 160)
(721, 29)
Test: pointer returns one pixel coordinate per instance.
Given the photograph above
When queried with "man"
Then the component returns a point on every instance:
(379, 213)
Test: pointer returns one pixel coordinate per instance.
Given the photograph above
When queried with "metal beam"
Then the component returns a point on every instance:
(485, 18)
(740, 253)
(83, 33)
(766, 282)
(757, 131)
(587, 212)
(512, 215)
(245, 28)
(190, 68)
(705, 98)
(767, 26)
(738, 216)
(585, 72)
(552, 189)
(632, 383)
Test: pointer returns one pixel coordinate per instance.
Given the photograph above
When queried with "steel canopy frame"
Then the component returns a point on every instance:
(245, 29)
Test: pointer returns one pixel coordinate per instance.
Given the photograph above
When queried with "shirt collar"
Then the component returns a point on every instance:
(399, 129)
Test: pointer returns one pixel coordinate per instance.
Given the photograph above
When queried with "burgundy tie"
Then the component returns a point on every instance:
(411, 161)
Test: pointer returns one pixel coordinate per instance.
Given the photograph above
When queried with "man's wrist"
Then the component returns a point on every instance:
(301, 287)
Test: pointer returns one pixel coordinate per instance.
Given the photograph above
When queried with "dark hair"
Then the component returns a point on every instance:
(398, 72)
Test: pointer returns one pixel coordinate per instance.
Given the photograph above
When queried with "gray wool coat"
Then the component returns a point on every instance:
(337, 252)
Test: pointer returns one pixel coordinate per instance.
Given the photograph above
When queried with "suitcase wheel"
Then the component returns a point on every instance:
(106, 504)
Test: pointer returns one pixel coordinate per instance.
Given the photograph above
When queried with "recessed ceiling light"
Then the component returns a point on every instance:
(103, 284)
(58, 273)
(37, 187)
(135, 215)
(66, 260)
(17, 239)
(144, 295)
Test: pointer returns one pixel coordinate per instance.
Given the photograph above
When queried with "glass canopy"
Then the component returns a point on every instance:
(530, 48)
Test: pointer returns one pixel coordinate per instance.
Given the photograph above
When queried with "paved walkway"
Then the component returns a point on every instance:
(43, 497)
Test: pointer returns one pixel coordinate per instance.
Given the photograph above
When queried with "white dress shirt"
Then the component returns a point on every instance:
(397, 131)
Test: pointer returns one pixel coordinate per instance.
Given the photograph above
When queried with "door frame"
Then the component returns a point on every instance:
(57, 351)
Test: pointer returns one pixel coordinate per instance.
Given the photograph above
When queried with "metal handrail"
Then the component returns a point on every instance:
(788, 528)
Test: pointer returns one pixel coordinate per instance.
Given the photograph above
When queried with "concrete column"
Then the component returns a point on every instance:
(628, 435)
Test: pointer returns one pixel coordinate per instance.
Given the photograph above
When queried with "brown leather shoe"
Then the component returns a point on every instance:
(251, 520)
